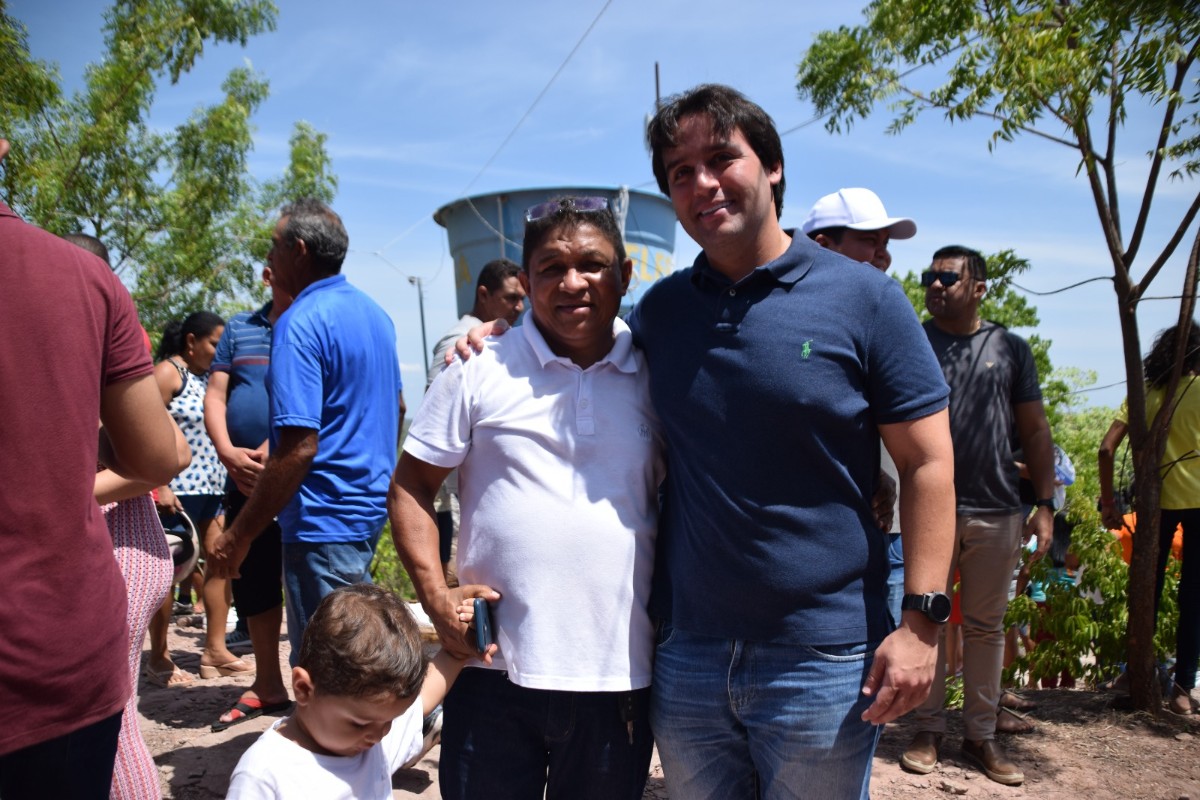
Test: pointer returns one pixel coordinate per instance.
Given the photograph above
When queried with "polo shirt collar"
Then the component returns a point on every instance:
(263, 315)
(5, 211)
(621, 356)
(786, 270)
(317, 286)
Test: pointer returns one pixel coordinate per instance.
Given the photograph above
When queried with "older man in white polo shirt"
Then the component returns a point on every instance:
(560, 458)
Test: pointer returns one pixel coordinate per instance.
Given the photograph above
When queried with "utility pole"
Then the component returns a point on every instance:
(421, 305)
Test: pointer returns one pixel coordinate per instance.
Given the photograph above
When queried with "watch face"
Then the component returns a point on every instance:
(939, 607)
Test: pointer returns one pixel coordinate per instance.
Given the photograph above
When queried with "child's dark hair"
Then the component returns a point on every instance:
(362, 641)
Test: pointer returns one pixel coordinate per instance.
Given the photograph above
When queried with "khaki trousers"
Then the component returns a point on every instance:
(986, 549)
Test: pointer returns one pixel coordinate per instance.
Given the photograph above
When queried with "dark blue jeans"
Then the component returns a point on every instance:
(1187, 640)
(75, 766)
(500, 740)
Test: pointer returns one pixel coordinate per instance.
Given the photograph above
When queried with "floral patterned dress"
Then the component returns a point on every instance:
(206, 474)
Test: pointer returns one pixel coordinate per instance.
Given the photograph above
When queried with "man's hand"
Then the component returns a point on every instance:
(1041, 525)
(466, 346)
(903, 670)
(225, 555)
(884, 502)
(244, 466)
(444, 609)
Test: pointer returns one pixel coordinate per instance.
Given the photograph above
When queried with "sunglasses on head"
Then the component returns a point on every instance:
(946, 277)
(581, 204)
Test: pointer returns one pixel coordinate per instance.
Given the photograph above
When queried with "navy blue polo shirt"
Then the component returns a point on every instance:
(770, 391)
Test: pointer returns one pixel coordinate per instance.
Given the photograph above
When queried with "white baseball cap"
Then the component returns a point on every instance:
(859, 209)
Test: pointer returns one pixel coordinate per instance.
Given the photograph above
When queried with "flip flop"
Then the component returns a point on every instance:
(249, 708)
(1016, 702)
(167, 678)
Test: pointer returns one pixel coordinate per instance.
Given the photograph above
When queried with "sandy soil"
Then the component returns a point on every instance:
(1081, 748)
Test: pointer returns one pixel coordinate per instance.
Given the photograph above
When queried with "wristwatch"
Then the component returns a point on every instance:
(1048, 502)
(935, 605)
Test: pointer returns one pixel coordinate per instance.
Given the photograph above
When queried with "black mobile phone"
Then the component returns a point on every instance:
(483, 624)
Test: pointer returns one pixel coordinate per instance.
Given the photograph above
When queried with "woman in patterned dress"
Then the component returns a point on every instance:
(186, 353)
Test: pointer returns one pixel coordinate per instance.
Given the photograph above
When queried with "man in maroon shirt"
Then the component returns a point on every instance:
(71, 353)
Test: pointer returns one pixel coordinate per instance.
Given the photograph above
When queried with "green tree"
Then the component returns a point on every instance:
(1066, 71)
(186, 224)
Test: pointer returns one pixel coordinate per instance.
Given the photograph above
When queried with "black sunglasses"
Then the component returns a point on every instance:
(945, 276)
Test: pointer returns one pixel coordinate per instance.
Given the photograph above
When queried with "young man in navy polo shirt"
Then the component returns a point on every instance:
(775, 366)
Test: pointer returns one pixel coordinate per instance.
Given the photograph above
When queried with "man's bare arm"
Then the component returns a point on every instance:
(139, 441)
(415, 534)
(904, 663)
(1033, 430)
(280, 480)
(243, 463)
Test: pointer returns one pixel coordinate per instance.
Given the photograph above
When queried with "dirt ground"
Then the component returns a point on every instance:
(1081, 748)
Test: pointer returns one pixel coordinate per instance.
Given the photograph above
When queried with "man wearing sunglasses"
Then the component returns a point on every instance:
(994, 394)
(560, 457)
(776, 366)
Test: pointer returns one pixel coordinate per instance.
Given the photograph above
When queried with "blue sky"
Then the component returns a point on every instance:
(416, 98)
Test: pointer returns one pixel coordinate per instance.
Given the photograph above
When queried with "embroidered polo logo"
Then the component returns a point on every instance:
(806, 349)
(644, 432)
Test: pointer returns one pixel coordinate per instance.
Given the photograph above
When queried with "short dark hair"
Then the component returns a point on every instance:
(567, 218)
(1161, 359)
(496, 272)
(89, 243)
(976, 263)
(322, 231)
(729, 110)
(198, 323)
(362, 641)
(834, 233)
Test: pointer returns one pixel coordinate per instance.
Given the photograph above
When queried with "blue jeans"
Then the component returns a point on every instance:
(311, 571)
(735, 719)
(500, 740)
(895, 581)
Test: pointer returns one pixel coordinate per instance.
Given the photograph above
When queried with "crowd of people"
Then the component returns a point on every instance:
(726, 526)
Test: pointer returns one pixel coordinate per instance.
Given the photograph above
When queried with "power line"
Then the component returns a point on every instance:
(487, 164)
(1063, 289)
(1096, 388)
(537, 99)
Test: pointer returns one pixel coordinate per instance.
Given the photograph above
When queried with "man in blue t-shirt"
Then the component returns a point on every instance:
(775, 367)
(335, 412)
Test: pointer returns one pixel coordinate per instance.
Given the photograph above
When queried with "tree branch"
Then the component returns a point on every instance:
(1139, 227)
(998, 117)
(1171, 245)
(1115, 101)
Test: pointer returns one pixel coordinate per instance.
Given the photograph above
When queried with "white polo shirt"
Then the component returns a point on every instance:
(559, 469)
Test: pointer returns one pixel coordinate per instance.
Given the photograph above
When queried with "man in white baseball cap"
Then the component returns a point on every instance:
(854, 222)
